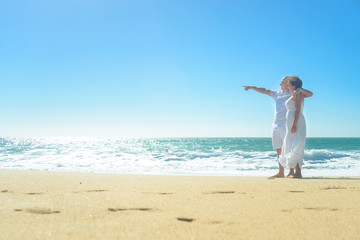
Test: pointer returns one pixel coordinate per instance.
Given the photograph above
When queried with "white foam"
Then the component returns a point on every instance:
(137, 156)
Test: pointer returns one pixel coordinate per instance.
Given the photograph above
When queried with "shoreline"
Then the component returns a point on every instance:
(241, 174)
(69, 205)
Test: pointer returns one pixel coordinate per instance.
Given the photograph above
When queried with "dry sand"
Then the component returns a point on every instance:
(47, 205)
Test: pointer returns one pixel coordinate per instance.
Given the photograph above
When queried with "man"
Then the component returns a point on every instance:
(279, 128)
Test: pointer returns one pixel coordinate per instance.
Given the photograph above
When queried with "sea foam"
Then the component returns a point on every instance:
(180, 156)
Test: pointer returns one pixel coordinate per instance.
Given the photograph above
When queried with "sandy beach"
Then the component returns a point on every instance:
(53, 205)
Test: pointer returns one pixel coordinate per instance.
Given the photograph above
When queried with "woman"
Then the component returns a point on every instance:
(292, 154)
(279, 127)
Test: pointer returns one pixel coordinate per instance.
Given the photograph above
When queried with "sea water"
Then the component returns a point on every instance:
(176, 156)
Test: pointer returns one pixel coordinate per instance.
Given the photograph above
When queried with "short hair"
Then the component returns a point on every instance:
(295, 81)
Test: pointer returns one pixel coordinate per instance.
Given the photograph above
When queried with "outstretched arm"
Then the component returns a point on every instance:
(305, 92)
(260, 90)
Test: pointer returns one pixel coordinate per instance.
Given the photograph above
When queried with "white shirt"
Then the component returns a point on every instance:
(280, 98)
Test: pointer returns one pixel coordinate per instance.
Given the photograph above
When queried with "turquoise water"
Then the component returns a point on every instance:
(179, 156)
(341, 144)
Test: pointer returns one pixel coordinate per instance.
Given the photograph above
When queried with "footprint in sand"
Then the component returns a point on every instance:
(215, 222)
(160, 193)
(185, 219)
(220, 192)
(101, 190)
(129, 209)
(322, 209)
(333, 188)
(92, 191)
(6, 191)
(312, 209)
(37, 210)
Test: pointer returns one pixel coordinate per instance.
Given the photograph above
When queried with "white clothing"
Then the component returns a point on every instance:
(293, 147)
(280, 98)
(279, 128)
(278, 134)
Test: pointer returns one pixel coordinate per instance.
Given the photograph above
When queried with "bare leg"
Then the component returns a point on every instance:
(297, 173)
(291, 173)
(280, 174)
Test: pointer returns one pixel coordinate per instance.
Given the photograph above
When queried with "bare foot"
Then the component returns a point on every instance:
(295, 176)
(291, 173)
(279, 175)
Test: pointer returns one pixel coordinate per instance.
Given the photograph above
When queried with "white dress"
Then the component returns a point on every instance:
(292, 152)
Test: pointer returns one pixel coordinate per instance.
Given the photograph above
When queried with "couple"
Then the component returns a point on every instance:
(289, 128)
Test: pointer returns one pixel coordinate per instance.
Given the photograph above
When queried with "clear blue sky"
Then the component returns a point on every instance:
(175, 68)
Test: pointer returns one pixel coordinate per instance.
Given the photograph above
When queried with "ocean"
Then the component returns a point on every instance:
(176, 156)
